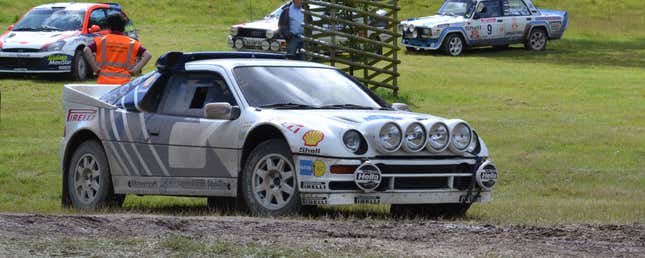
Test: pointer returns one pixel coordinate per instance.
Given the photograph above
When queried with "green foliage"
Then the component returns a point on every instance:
(565, 126)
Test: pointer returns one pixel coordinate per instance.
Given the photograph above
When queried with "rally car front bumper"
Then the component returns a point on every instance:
(251, 43)
(35, 62)
(328, 181)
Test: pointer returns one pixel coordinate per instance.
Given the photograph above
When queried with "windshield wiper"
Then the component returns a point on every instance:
(47, 27)
(287, 106)
(25, 29)
(345, 106)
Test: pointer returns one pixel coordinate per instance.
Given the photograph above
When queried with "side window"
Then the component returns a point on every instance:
(187, 93)
(97, 17)
(489, 9)
(515, 8)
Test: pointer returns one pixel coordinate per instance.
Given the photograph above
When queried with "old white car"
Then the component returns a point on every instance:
(50, 38)
(471, 23)
(263, 35)
(270, 134)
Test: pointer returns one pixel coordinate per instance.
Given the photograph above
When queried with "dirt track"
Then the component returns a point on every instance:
(137, 235)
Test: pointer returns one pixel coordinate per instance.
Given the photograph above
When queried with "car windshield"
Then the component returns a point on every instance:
(51, 20)
(457, 8)
(301, 87)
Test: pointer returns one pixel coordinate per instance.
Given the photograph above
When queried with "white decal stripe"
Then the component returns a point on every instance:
(118, 138)
(119, 162)
(152, 149)
(134, 147)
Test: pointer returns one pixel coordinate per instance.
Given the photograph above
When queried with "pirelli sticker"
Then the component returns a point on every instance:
(78, 115)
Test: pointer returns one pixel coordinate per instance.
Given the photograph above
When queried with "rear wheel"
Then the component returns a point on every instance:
(537, 40)
(445, 210)
(269, 185)
(79, 67)
(453, 45)
(88, 178)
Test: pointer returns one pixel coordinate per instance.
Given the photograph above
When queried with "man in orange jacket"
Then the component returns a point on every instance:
(116, 53)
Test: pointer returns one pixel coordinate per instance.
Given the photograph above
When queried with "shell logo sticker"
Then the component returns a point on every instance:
(319, 168)
(313, 138)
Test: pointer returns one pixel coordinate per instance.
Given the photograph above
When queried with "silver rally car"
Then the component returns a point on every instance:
(470, 23)
(268, 134)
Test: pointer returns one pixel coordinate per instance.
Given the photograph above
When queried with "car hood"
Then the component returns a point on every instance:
(263, 24)
(434, 20)
(34, 39)
(321, 131)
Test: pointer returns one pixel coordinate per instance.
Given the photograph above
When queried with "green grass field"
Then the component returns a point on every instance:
(566, 127)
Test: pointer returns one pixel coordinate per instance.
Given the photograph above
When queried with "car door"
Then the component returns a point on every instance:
(516, 18)
(484, 28)
(187, 144)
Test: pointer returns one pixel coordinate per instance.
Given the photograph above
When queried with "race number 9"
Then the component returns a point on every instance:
(490, 29)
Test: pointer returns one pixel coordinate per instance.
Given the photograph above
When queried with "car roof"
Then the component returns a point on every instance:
(69, 6)
(230, 63)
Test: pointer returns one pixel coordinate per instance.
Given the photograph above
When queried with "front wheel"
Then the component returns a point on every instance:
(445, 210)
(453, 45)
(88, 178)
(79, 67)
(269, 185)
(537, 40)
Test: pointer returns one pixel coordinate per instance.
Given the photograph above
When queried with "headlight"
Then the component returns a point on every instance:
(234, 31)
(461, 137)
(415, 137)
(56, 46)
(270, 34)
(390, 137)
(352, 140)
(438, 137)
(415, 34)
(410, 28)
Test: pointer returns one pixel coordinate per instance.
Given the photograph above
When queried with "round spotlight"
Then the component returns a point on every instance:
(438, 137)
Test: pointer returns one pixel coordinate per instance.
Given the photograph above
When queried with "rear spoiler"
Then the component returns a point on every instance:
(87, 94)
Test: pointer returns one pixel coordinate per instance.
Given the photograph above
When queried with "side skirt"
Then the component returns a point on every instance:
(183, 186)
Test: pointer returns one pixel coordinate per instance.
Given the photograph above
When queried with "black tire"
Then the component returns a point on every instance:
(80, 68)
(447, 210)
(453, 45)
(537, 40)
(89, 182)
(257, 190)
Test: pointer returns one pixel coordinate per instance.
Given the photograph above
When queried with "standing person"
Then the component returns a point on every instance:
(116, 53)
(290, 26)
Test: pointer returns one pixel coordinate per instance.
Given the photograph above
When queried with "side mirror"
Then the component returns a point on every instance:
(221, 111)
(400, 106)
(95, 28)
(11, 27)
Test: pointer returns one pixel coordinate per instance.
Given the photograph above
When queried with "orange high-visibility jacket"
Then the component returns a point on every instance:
(115, 54)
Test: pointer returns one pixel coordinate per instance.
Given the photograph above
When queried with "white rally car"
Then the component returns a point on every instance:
(276, 134)
(50, 38)
(263, 34)
(472, 23)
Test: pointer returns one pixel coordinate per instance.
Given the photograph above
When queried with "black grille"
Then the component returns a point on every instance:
(21, 50)
(462, 183)
(426, 169)
(19, 62)
(420, 183)
(343, 185)
(253, 33)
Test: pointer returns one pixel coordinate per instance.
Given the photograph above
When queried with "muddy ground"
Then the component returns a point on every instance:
(146, 235)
